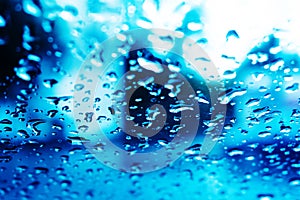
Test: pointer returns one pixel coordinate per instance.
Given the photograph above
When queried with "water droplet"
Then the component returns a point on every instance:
(192, 150)
(235, 152)
(69, 13)
(2, 21)
(194, 26)
(51, 113)
(7, 129)
(275, 50)
(295, 181)
(89, 116)
(229, 74)
(49, 83)
(250, 158)
(5, 159)
(23, 133)
(5, 141)
(28, 72)
(33, 123)
(56, 100)
(41, 170)
(275, 65)
(149, 65)
(285, 129)
(253, 102)
(162, 142)
(21, 168)
(232, 34)
(264, 134)
(174, 68)
(77, 140)
(111, 76)
(47, 26)
(180, 109)
(33, 185)
(85, 99)
(293, 88)
(78, 87)
(65, 183)
(260, 112)
(5, 121)
(31, 9)
(265, 196)
(258, 57)
(57, 127)
(232, 93)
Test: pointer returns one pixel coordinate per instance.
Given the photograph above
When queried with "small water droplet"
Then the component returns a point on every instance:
(30, 8)
(78, 87)
(258, 57)
(232, 34)
(65, 183)
(229, 74)
(5, 159)
(235, 152)
(149, 65)
(23, 133)
(192, 150)
(264, 134)
(295, 181)
(253, 102)
(2, 21)
(89, 116)
(69, 13)
(232, 93)
(293, 88)
(51, 113)
(194, 26)
(111, 76)
(275, 65)
(265, 196)
(49, 83)
(27, 72)
(5, 121)
(41, 170)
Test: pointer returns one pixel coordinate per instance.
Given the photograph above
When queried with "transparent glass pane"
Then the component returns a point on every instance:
(149, 99)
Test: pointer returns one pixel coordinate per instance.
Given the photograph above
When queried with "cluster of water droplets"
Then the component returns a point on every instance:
(42, 152)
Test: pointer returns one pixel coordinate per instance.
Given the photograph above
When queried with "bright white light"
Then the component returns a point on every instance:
(170, 13)
(252, 20)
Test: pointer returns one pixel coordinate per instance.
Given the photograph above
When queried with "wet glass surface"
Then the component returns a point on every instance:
(45, 44)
